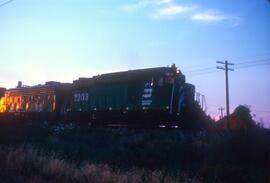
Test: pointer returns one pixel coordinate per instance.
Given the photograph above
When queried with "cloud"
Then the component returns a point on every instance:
(159, 2)
(159, 8)
(172, 10)
(144, 3)
(209, 17)
(164, 9)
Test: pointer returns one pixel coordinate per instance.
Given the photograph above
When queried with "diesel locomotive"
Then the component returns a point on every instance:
(144, 97)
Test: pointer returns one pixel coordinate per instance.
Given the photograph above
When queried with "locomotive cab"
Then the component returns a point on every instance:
(182, 96)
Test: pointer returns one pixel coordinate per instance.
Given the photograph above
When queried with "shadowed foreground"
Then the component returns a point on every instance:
(72, 153)
(28, 165)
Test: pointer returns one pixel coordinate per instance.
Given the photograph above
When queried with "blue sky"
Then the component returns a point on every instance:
(66, 39)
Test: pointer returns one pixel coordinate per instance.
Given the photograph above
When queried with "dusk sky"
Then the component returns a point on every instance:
(65, 39)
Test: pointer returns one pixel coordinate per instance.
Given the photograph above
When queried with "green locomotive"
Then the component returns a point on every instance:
(145, 97)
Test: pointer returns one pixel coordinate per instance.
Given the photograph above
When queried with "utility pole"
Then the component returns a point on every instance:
(226, 69)
(221, 112)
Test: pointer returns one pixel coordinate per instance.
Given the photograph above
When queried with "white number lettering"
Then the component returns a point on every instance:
(78, 97)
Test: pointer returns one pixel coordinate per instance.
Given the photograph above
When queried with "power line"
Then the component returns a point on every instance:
(263, 54)
(199, 70)
(5, 3)
(203, 73)
(252, 65)
(254, 61)
(260, 111)
(191, 70)
(247, 64)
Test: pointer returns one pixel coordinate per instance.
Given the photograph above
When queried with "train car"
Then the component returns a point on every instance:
(145, 97)
(2, 94)
(41, 102)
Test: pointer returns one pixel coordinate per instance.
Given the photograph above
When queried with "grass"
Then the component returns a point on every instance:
(72, 153)
(30, 165)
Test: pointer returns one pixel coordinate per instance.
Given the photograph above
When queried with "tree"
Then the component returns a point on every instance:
(242, 112)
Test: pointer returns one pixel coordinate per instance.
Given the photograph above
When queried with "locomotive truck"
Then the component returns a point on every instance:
(144, 97)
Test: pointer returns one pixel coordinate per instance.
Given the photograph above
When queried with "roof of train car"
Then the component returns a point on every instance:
(123, 76)
(47, 88)
(126, 75)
